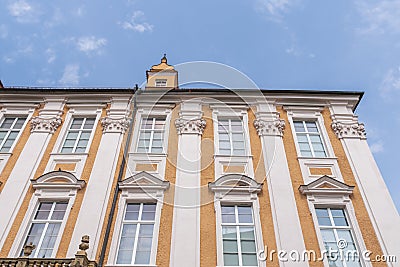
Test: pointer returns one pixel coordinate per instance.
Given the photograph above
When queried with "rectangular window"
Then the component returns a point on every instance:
(78, 135)
(151, 135)
(45, 228)
(309, 139)
(161, 82)
(136, 237)
(337, 235)
(238, 237)
(231, 137)
(9, 130)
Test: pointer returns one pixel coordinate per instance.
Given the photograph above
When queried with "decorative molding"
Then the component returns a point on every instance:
(112, 125)
(193, 126)
(235, 184)
(275, 127)
(349, 130)
(57, 180)
(326, 186)
(45, 125)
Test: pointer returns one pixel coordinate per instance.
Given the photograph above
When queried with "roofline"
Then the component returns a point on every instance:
(23, 89)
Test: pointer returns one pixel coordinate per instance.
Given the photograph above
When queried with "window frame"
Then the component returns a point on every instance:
(228, 113)
(133, 192)
(163, 81)
(230, 133)
(80, 131)
(308, 135)
(247, 194)
(313, 116)
(46, 222)
(47, 190)
(15, 117)
(136, 238)
(152, 131)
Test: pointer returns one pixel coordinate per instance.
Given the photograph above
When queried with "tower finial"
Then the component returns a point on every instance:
(164, 59)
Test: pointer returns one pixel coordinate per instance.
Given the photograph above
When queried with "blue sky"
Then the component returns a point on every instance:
(304, 44)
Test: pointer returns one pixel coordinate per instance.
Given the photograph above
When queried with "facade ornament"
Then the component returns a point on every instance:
(274, 127)
(28, 248)
(45, 125)
(112, 125)
(195, 126)
(349, 130)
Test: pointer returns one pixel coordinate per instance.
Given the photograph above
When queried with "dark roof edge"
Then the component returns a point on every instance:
(66, 89)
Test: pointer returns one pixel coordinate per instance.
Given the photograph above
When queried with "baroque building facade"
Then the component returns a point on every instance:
(169, 176)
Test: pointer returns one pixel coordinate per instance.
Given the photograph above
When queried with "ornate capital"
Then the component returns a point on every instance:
(112, 125)
(273, 127)
(349, 130)
(45, 125)
(184, 126)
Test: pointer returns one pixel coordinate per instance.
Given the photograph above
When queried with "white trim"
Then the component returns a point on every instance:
(227, 193)
(45, 191)
(151, 191)
(338, 196)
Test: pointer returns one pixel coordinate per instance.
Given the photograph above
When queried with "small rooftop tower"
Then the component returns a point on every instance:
(162, 76)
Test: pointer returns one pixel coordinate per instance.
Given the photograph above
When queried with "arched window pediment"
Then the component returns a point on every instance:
(57, 180)
(235, 183)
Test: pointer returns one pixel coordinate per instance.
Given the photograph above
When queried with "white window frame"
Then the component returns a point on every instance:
(227, 193)
(310, 114)
(163, 82)
(152, 131)
(11, 129)
(48, 191)
(139, 188)
(78, 111)
(79, 131)
(307, 134)
(161, 111)
(230, 133)
(327, 192)
(15, 110)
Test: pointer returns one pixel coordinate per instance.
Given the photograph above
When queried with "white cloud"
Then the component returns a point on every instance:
(70, 75)
(377, 147)
(380, 16)
(137, 23)
(51, 55)
(390, 83)
(89, 44)
(23, 11)
(274, 9)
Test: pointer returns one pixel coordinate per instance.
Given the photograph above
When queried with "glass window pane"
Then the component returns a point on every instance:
(7, 122)
(301, 138)
(311, 126)
(228, 209)
(246, 233)
(66, 150)
(324, 221)
(328, 235)
(76, 123)
(248, 246)
(229, 233)
(230, 246)
(142, 257)
(250, 259)
(228, 218)
(337, 213)
(298, 126)
(20, 122)
(89, 123)
(245, 218)
(245, 210)
(231, 259)
(84, 136)
(146, 230)
(346, 235)
(322, 212)
(339, 221)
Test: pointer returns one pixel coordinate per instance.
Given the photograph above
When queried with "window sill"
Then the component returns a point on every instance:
(317, 158)
(147, 154)
(232, 156)
(69, 154)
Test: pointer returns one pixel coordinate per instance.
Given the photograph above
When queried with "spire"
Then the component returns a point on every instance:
(164, 59)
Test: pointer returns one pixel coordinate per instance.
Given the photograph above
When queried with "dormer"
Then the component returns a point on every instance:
(162, 76)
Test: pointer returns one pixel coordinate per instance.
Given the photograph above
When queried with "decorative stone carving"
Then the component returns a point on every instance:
(45, 125)
(349, 130)
(112, 125)
(190, 126)
(28, 248)
(274, 127)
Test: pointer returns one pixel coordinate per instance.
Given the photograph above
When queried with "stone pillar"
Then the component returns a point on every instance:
(185, 243)
(376, 197)
(14, 191)
(287, 226)
(93, 210)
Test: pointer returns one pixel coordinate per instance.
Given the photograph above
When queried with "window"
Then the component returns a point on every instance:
(151, 135)
(78, 135)
(309, 139)
(137, 234)
(335, 231)
(161, 82)
(9, 130)
(231, 137)
(45, 228)
(238, 237)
